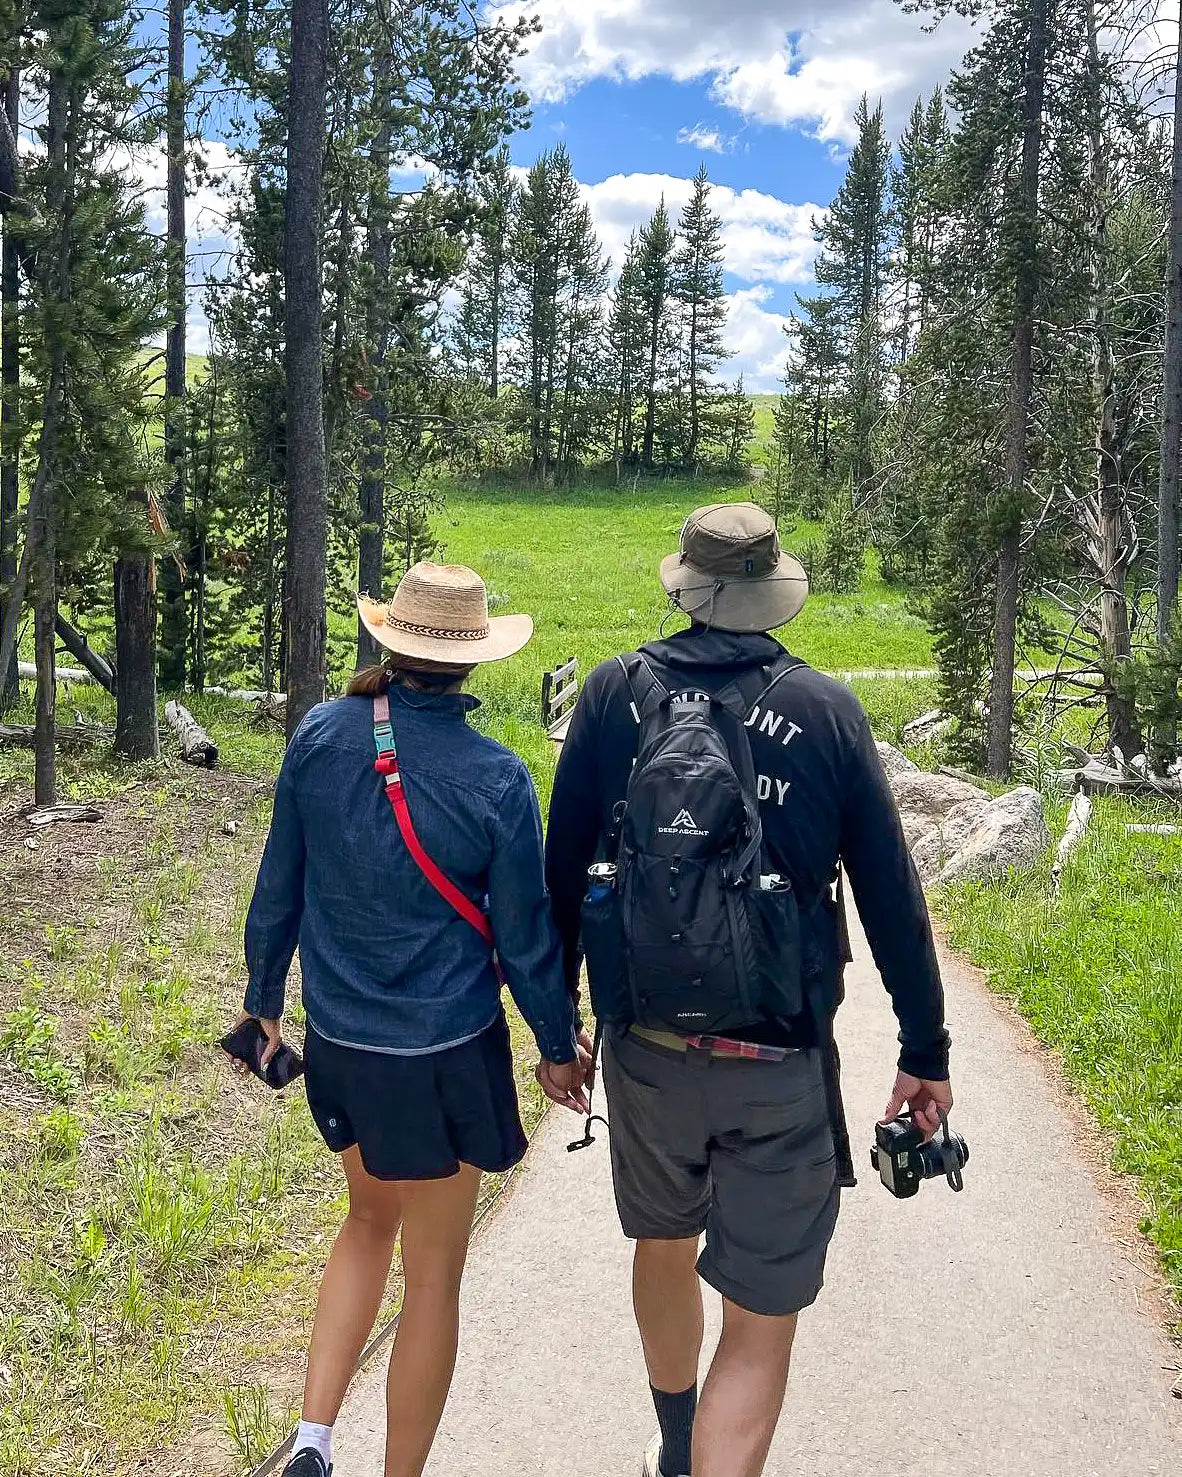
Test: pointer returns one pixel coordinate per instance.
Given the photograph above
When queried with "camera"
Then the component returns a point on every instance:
(904, 1161)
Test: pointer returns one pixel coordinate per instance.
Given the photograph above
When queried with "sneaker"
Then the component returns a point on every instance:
(652, 1460)
(307, 1463)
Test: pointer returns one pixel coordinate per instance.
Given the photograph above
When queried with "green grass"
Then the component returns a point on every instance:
(584, 565)
(1098, 974)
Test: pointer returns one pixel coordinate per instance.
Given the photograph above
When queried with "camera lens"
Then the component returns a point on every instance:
(932, 1154)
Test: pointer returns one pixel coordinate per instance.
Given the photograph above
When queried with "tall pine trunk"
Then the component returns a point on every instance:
(174, 624)
(1017, 460)
(650, 388)
(10, 381)
(1171, 421)
(1107, 541)
(695, 409)
(371, 544)
(307, 472)
(137, 733)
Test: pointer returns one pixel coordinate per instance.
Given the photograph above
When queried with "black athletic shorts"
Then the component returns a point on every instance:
(418, 1117)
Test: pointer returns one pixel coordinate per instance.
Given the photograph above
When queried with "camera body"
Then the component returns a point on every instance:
(903, 1160)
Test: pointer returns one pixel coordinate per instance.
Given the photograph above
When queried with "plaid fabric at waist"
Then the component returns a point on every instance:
(719, 1046)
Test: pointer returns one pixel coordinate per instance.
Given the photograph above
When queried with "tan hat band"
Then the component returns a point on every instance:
(439, 633)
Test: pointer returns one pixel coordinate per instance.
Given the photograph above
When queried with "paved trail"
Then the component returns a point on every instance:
(995, 1332)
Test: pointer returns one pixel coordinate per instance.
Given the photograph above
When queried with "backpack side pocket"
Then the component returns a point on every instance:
(602, 932)
(774, 917)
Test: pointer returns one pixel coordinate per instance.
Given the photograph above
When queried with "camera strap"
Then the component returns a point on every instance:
(949, 1156)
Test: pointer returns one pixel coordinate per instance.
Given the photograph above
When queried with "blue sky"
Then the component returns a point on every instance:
(762, 91)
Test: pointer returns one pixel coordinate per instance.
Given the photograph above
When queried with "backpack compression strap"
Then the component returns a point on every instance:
(387, 767)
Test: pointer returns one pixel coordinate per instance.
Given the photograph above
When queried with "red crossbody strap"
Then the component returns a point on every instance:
(387, 767)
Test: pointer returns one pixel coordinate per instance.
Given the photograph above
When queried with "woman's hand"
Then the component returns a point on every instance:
(564, 1084)
(587, 1057)
(272, 1030)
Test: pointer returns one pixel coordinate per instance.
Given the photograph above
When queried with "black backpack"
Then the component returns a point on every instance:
(695, 936)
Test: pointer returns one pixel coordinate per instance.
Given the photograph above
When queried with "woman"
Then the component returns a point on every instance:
(409, 1069)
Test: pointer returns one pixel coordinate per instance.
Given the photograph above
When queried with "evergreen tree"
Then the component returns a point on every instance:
(654, 269)
(698, 291)
(855, 242)
(627, 333)
(737, 423)
(483, 311)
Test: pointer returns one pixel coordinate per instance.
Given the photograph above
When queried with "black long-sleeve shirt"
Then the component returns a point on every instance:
(824, 799)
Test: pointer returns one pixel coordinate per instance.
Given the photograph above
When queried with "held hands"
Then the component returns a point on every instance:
(568, 1084)
(926, 1100)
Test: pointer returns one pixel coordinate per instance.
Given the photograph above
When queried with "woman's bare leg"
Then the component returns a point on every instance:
(352, 1289)
(436, 1225)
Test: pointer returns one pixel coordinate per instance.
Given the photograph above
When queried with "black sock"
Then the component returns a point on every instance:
(676, 1416)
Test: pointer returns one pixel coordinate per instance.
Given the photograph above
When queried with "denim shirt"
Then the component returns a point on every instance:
(387, 964)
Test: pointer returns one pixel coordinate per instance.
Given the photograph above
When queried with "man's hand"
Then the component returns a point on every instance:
(587, 1057)
(564, 1084)
(927, 1100)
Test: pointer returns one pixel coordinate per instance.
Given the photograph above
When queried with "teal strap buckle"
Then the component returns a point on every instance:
(383, 737)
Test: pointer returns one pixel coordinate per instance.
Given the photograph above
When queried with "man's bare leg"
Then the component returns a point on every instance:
(743, 1394)
(667, 1297)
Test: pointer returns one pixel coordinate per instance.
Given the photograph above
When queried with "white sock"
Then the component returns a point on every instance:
(312, 1437)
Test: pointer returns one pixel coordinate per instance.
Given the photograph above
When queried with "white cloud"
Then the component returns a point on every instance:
(755, 336)
(792, 62)
(710, 139)
(765, 239)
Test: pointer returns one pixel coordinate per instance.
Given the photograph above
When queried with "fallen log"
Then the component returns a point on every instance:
(196, 745)
(22, 736)
(1077, 823)
(1153, 830)
(79, 648)
(929, 726)
(50, 815)
(28, 673)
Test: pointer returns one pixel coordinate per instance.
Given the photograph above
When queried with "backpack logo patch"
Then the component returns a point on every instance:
(683, 824)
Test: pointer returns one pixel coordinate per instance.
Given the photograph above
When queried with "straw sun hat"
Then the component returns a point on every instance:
(439, 613)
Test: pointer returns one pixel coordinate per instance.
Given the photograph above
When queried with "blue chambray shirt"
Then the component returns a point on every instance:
(387, 965)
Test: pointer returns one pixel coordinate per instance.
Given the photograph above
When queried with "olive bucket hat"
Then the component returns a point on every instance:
(731, 573)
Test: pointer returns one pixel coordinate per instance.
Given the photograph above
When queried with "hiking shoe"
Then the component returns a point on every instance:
(652, 1460)
(307, 1463)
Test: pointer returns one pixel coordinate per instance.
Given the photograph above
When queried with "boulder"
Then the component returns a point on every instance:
(933, 848)
(932, 795)
(894, 762)
(1011, 835)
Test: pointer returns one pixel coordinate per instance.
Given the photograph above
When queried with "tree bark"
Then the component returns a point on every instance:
(1171, 422)
(196, 745)
(307, 475)
(1108, 541)
(174, 624)
(10, 381)
(137, 731)
(1017, 462)
(371, 546)
(650, 389)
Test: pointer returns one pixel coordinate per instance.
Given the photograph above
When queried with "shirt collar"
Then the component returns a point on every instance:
(446, 704)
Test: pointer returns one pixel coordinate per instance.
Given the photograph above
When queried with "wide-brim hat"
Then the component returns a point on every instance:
(439, 613)
(731, 573)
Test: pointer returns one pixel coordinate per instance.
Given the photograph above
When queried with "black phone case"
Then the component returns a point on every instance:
(247, 1042)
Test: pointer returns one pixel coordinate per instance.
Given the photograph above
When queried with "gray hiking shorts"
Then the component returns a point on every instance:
(740, 1150)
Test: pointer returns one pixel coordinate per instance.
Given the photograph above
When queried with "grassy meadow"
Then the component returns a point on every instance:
(165, 1225)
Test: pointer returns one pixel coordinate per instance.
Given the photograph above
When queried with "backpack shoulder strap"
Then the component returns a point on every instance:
(646, 691)
(750, 687)
(387, 766)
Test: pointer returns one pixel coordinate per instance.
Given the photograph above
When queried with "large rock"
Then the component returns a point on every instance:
(935, 847)
(933, 795)
(1011, 836)
(894, 762)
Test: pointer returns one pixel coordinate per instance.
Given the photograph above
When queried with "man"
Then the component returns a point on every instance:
(740, 1136)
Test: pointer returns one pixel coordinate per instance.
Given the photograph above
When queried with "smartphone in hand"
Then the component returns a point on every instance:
(247, 1042)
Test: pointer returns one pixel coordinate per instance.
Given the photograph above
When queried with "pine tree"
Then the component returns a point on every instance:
(10, 373)
(855, 242)
(654, 269)
(627, 334)
(484, 307)
(737, 422)
(697, 288)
